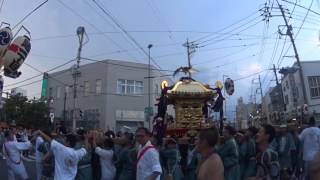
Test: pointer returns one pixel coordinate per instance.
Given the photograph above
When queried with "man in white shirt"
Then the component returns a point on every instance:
(148, 163)
(39, 156)
(12, 151)
(310, 137)
(66, 158)
(106, 154)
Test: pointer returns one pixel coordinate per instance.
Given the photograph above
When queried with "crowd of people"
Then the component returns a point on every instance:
(267, 153)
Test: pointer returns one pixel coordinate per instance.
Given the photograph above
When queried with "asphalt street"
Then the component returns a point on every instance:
(29, 164)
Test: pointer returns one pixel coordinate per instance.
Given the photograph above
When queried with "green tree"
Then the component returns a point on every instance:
(28, 113)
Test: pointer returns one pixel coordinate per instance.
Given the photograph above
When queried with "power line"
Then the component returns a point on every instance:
(302, 7)
(140, 31)
(48, 76)
(122, 65)
(272, 58)
(26, 16)
(24, 85)
(211, 49)
(238, 27)
(282, 57)
(227, 27)
(156, 11)
(250, 75)
(235, 61)
(32, 67)
(305, 17)
(224, 56)
(1, 5)
(92, 25)
(124, 31)
(106, 20)
(309, 20)
(310, 17)
(52, 69)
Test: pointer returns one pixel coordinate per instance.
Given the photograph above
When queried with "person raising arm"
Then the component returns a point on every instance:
(66, 157)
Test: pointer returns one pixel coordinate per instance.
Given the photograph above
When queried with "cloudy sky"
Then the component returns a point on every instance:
(246, 48)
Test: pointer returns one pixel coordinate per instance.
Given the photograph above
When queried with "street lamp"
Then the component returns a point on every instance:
(149, 86)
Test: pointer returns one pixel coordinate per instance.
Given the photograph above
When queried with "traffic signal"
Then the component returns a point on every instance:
(81, 114)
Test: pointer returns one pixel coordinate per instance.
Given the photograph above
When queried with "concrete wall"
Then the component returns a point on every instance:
(310, 68)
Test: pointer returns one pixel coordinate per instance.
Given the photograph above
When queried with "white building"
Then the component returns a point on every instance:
(293, 92)
(111, 94)
(243, 111)
(272, 106)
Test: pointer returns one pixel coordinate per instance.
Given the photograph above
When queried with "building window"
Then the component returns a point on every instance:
(121, 89)
(98, 86)
(58, 92)
(138, 87)
(129, 87)
(86, 88)
(314, 84)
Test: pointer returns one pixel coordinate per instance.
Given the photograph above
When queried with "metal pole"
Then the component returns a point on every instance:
(261, 94)
(64, 106)
(149, 87)
(189, 58)
(280, 87)
(80, 33)
(289, 33)
(224, 95)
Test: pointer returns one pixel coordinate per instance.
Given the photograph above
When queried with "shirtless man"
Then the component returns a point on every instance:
(211, 166)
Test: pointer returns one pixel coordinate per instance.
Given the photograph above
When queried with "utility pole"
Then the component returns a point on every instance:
(191, 48)
(279, 86)
(189, 57)
(149, 87)
(289, 33)
(260, 87)
(76, 73)
(64, 106)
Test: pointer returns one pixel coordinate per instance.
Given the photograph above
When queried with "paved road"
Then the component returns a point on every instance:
(29, 164)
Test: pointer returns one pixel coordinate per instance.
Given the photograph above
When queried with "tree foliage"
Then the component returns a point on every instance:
(28, 113)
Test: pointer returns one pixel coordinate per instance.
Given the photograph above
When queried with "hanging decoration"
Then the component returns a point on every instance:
(229, 86)
(13, 50)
